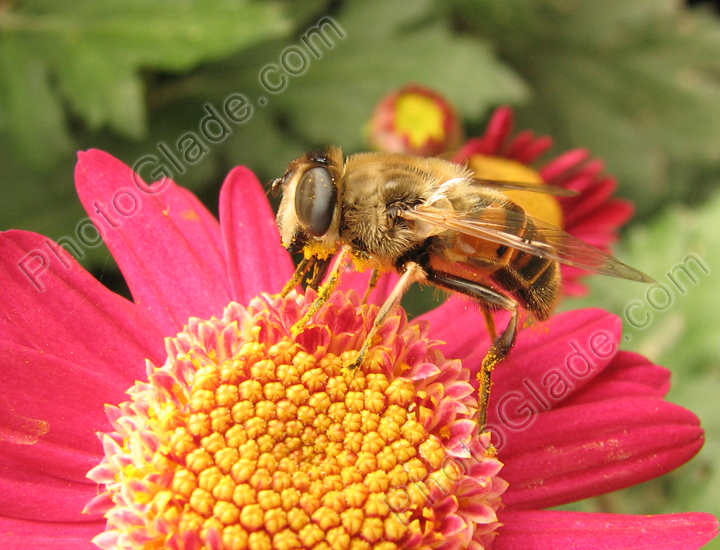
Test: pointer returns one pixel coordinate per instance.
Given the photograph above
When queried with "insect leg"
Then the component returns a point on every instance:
(501, 345)
(300, 271)
(371, 285)
(325, 291)
(489, 322)
(320, 268)
(413, 272)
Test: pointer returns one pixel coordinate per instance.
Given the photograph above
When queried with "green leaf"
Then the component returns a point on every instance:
(387, 45)
(160, 33)
(29, 108)
(261, 145)
(634, 81)
(90, 54)
(47, 206)
(366, 51)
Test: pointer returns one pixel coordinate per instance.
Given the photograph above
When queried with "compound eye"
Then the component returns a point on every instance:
(315, 200)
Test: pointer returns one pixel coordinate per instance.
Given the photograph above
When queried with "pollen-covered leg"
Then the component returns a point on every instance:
(374, 276)
(325, 291)
(300, 272)
(318, 272)
(413, 272)
(497, 352)
(501, 345)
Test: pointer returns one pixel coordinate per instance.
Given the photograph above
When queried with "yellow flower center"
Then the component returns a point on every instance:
(245, 440)
(420, 118)
(278, 450)
(541, 206)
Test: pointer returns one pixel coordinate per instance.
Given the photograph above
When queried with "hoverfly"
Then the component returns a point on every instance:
(429, 220)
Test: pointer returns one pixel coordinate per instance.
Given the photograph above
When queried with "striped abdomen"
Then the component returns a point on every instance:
(532, 280)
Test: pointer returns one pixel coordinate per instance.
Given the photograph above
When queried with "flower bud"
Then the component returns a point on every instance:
(414, 120)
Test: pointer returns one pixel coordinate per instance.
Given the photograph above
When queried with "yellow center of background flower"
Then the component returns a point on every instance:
(541, 206)
(420, 118)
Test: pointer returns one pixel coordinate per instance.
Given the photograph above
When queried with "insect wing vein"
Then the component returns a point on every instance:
(503, 185)
(540, 239)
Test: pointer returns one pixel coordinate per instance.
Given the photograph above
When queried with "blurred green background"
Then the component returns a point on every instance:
(636, 81)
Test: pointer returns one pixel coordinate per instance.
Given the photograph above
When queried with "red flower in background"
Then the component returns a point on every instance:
(594, 215)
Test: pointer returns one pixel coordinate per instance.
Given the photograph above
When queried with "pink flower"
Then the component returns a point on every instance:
(594, 215)
(574, 416)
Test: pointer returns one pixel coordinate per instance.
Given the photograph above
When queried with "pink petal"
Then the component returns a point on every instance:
(108, 540)
(423, 371)
(65, 312)
(576, 208)
(577, 452)
(8, 330)
(459, 323)
(28, 535)
(257, 262)
(50, 410)
(550, 362)
(26, 495)
(493, 141)
(577, 345)
(520, 144)
(562, 164)
(452, 525)
(498, 129)
(479, 512)
(605, 218)
(629, 375)
(529, 152)
(460, 430)
(569, 286)
(553, 530)
(353, 279)
(585, 178)
(164, 240)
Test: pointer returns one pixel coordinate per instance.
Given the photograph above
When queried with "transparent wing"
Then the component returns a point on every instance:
(538, 238)
(503, 185)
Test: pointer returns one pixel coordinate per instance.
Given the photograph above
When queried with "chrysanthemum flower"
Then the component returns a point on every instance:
(414, 120)
(593, 215)
(223, 432)
(247, 438)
